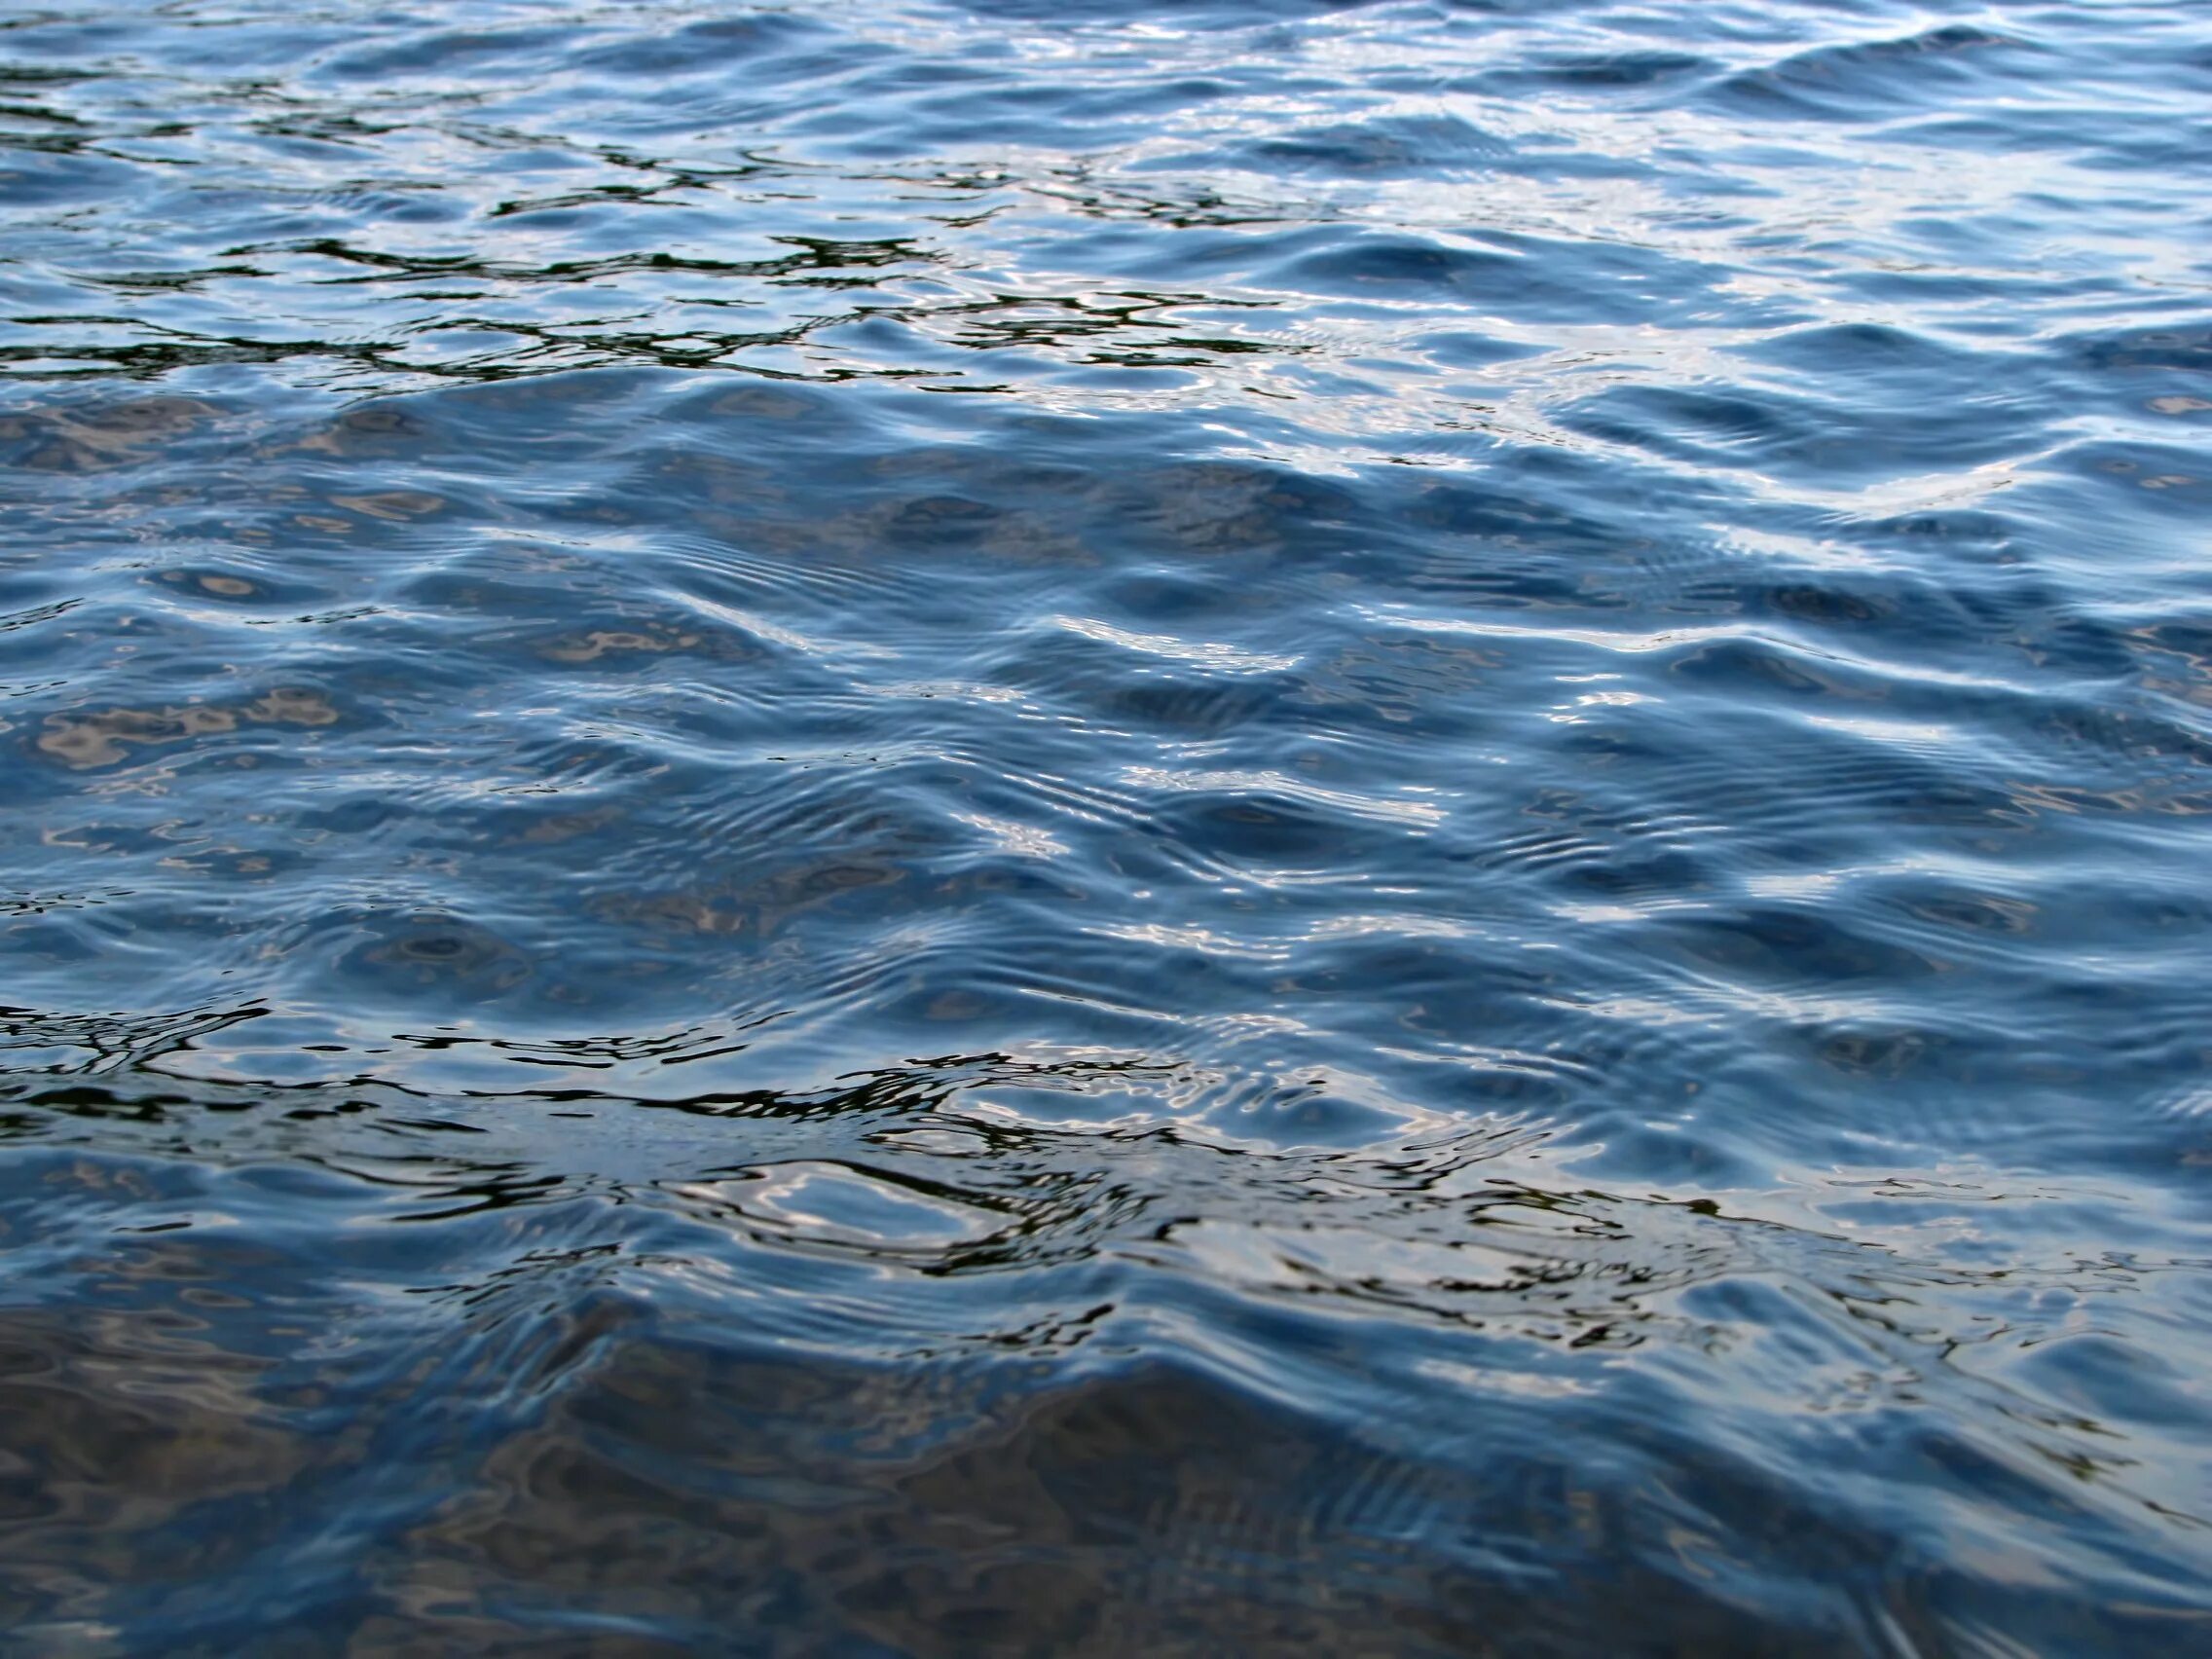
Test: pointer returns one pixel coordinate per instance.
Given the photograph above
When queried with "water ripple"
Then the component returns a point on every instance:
(969, 827)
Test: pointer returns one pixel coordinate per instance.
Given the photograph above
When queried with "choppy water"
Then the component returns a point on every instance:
(994, 828)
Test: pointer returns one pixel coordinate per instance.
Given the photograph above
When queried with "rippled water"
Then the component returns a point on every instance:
(1239, 827)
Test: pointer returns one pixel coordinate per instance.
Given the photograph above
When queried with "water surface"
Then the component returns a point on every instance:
(1249, 827)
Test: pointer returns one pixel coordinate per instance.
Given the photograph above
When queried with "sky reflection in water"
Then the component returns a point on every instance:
(989, 828)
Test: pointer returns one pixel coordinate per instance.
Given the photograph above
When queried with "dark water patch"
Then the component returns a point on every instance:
(1400, 148)
(623, 1459)
(1844, 81)
(1600, 72)
(1401, 270)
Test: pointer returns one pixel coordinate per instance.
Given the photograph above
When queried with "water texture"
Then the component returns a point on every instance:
(1118, 828)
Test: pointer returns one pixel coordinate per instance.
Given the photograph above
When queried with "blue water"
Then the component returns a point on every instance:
(1227, 828)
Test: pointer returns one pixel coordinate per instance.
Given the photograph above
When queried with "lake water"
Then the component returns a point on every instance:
(1228, 828)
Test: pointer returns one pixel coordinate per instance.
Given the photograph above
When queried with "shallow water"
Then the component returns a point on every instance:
(1226, 828)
